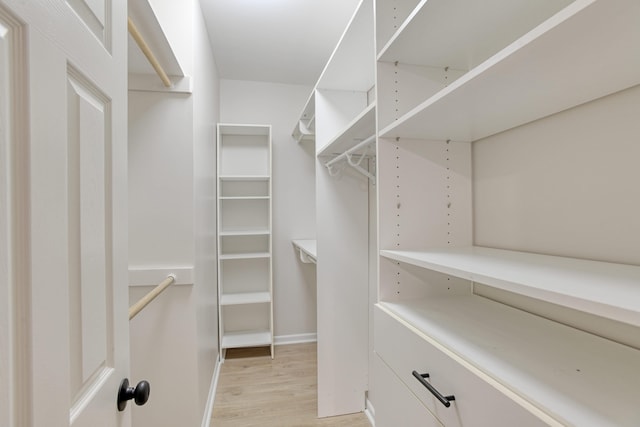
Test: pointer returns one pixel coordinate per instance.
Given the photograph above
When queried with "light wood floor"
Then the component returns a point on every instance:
(254, 390)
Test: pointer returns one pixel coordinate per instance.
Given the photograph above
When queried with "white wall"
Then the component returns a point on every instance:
(172, 218)
(160, 179)
(565, 185)
(293, 194)
(206, 111)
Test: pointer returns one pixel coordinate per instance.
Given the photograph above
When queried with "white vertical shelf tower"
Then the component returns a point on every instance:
(457, 74)
(344, 111)
(245, 278)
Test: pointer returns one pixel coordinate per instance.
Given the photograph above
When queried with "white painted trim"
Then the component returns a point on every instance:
(151, 83)
(208, 410)
(295, 339)
(370, 412)
(151, 276)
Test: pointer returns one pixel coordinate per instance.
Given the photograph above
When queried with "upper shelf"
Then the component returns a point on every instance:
(540, 74)
(351, 65)
(359, 129)
(477, 30)
(244, 129)
(244, 177)
(604, 289)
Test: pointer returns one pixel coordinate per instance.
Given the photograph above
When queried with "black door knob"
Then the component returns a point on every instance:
(139, 393)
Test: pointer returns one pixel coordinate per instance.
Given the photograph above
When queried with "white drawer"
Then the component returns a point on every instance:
(476, 403)
(394, 404)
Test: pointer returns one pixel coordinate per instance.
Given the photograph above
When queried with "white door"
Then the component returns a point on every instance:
(64, 80)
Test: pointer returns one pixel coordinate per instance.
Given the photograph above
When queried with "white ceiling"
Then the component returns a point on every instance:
(282, 41)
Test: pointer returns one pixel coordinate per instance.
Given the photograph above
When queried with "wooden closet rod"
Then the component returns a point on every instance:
(153, 293)
(148, 53)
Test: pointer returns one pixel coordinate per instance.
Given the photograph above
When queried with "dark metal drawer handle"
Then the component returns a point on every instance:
(445, 400)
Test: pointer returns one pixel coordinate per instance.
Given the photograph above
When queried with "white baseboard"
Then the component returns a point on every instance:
(295, 339)
(370, 412)
(208, 410)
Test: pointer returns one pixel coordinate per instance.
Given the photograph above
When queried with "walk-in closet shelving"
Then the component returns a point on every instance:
(465, 90)
(353, 146)
(605, 289)
(343, 106)
(244, 236)
(514, 81)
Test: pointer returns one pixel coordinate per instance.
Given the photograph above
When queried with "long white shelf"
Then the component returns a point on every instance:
(308, 250)
(245, 298)
(539, 74)
(604, 289)
(245, 232)
(351, 65)
(245, 198)
(245, 339)
(244, 177)
(244, 129)
(576, 377)
(479, 32)
(359, 129)
(248, 255)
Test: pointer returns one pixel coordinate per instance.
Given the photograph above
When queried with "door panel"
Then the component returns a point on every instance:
(74, 196)
(94, 13)
(89, 285)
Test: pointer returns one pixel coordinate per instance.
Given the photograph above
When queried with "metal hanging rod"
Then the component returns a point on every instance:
(153, 293)
(349, 155)
(341, 156)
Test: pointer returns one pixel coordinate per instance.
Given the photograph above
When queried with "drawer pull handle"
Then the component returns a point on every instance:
(445, 400)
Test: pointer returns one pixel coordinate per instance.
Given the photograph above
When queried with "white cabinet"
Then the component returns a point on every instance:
(465, 90)
(340, 117)
(244, 236)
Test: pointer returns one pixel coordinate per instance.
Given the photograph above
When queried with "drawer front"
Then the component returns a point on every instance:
(476, 402)
(394, 404)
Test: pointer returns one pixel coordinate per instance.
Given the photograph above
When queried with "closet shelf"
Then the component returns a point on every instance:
(353, 144)
(308, 250)
(247, 255)
(360, 128)
(479, 32)
(351, 66)
(539, 74)
(244, 177)
(244, 129)
(245, 198)
(245, 232)
(246, 339)
(604, 289)
(562, 371)
(245, 298)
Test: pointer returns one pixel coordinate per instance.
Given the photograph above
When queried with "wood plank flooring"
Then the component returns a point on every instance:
(254, 390)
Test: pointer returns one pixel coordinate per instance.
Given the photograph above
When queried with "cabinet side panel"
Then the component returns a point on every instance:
(425, 194)
(342, 290)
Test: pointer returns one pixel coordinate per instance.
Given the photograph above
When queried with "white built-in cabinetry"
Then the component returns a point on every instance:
(245, 288)
(455, 79)
(339, 117)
